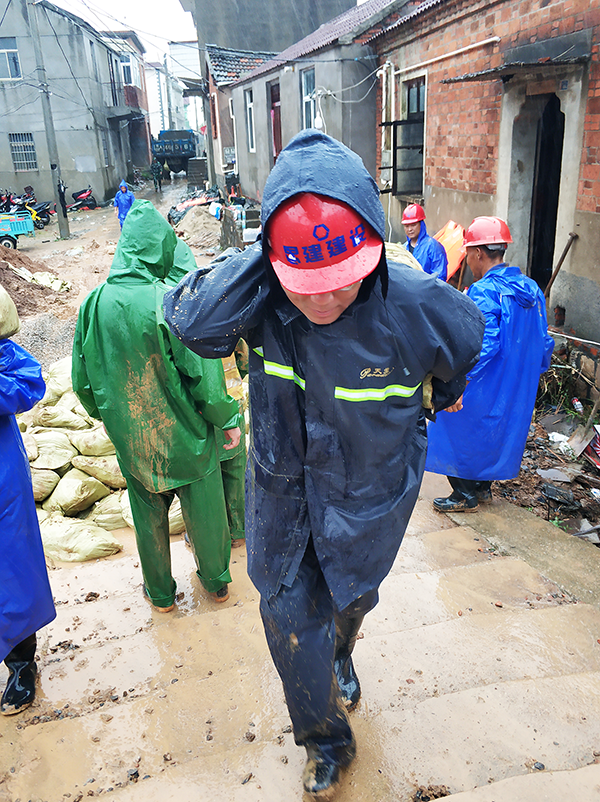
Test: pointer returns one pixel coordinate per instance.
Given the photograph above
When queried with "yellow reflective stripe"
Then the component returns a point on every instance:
(281, 371)
(374, 393)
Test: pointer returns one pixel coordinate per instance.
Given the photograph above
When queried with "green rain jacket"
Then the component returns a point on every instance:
(158, 400)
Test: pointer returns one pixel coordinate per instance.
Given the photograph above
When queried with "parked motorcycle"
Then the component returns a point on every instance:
(83, 199)
(10, 203)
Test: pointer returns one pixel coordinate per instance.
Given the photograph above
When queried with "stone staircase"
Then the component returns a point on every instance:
(480, 670)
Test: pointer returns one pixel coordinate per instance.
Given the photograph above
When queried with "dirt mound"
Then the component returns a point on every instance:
(201, 229)
(31, 299)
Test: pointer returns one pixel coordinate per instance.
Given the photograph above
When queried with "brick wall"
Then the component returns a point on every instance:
(463, 119)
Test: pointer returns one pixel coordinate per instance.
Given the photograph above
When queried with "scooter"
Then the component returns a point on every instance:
(10, 204)
(82, 200)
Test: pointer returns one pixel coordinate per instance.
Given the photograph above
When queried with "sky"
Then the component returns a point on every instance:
(156, 23)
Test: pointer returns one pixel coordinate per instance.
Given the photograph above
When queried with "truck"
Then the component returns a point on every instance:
(175, 148)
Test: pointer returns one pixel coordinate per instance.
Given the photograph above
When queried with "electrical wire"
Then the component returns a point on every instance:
(5, 11)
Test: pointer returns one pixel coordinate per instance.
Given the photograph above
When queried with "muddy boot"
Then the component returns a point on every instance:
(321, 775)
(346, 632)
(484, 492)
(20, 688)
(456, 502)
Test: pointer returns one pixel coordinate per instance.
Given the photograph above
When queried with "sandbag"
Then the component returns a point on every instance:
(107, 513)
(43, 483)
(73, 540)
(71, 402)
(93, 442)
(54, 450)
(58, 417)
(75, 492)
(31, 448)
(9, 319)
(176, 522)
(105, 469)
(58, 381)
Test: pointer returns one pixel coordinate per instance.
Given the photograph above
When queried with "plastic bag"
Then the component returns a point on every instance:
(58, 381)
(93, 442)
(107, 513)
(43, 483)
(75, 492)
(54, 450)
(9, 319)
(105, 469)
(73, 540)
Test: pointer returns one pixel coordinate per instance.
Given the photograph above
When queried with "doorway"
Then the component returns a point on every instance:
(546, 185)
(275, 108)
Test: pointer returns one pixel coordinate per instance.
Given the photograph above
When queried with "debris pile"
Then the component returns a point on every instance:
(77, 483)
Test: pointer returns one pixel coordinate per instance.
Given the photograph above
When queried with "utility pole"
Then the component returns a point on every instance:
(63, 223)
(168, 85)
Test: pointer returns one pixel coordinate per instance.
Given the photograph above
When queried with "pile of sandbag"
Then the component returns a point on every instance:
(77, 483)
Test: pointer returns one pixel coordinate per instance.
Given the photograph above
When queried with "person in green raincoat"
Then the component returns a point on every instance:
(160, 405)
(233, 461)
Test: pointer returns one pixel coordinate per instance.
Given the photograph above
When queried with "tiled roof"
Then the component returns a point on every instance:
(351, 22)
(227, 65)
(420, 9)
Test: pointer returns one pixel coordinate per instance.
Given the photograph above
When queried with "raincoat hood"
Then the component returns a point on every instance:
(124, 184)
(146, 248)
(314, 162)
(510, 281)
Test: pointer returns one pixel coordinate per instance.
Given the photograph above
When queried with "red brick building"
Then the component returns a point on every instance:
(493, 107)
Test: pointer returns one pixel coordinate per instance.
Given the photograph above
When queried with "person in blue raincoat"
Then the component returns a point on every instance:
(340, 342)
(484, 437)
(26, 602)
(123, 202)
(428, 252)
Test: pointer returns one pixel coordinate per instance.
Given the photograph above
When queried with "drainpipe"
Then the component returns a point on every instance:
(490, 41)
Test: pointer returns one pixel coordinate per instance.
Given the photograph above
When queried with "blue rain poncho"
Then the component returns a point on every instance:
(123, 202)
(430, 254)
(25, 598)
(486, 439)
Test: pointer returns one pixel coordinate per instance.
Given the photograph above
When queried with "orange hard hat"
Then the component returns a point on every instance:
(413, 213)
(318, 244)
(487, 231)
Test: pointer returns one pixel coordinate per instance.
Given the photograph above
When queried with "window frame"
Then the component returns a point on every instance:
(308, 99)
(408, 139)
(15, 62)
(18, 146)
(250, 121)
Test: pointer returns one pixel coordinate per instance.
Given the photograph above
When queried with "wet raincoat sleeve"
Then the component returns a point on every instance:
(79, 375)
(210, 309)
(21, 383)
(206, 383)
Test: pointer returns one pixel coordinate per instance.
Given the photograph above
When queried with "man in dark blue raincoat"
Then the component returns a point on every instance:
(484, 437)
(26, 602)
(340, 343)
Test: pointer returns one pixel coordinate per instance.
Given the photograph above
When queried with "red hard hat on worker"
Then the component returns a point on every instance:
(317, 244)
(413, 214)
(487, 231)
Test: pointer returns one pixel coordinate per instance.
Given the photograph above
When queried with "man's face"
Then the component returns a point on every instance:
(474, 262)
(325, 307)
(123, 189)
(412, 229)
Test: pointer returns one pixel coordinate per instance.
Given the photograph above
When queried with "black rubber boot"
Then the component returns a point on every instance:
(20, 688)
(346, 633)
(321, 775)
(484, 492)
(456, 502)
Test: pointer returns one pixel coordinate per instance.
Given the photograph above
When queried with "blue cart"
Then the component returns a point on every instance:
(13, 226)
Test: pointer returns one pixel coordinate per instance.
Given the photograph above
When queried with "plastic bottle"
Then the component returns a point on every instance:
(577, 405)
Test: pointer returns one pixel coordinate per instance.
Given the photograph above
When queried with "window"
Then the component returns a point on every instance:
(408, 141)
(249, 106)
(10, 67)
(94, 62)
(104, 147)
(308, 99)
(22, 149)
(129, 70)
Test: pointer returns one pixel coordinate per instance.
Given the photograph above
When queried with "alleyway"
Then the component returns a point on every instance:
(480, 679)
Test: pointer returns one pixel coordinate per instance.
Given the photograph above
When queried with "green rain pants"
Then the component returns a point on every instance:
(205, 517)
(233, 471)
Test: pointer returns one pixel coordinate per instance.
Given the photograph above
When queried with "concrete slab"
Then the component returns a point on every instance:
(572, 563)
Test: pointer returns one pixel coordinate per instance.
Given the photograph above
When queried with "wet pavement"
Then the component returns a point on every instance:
(480, 672)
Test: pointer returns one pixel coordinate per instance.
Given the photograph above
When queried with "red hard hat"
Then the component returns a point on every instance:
(487, 231)
(318, 244)
(413, 213)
